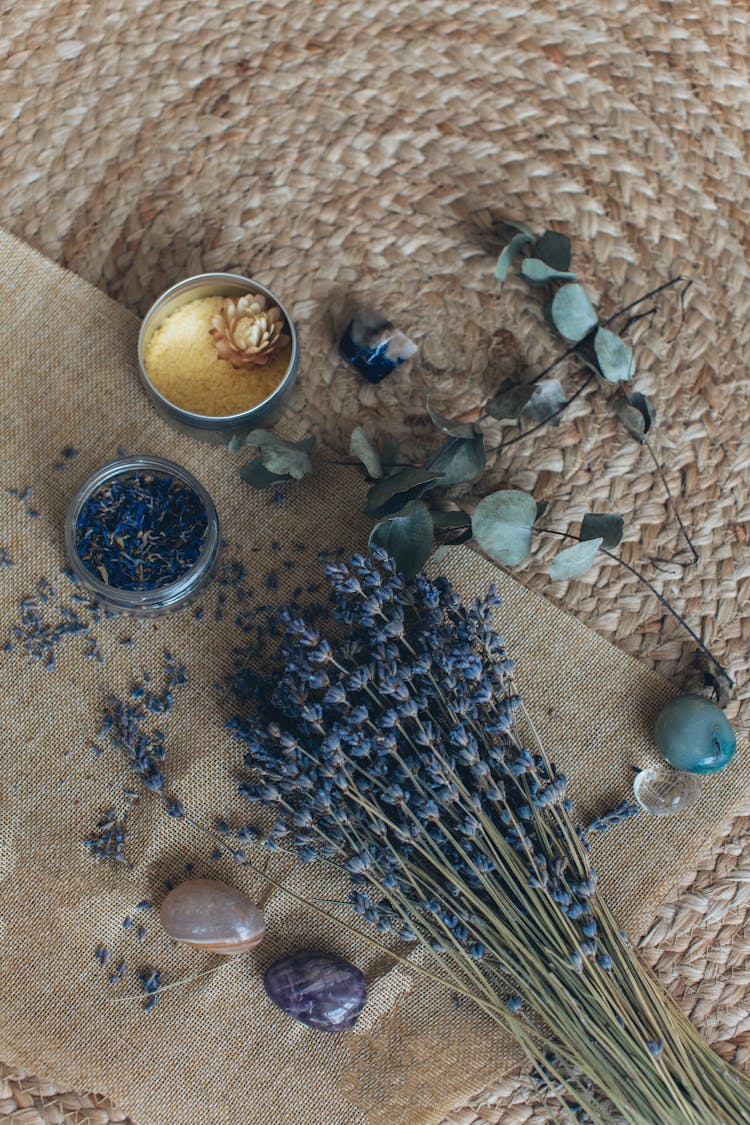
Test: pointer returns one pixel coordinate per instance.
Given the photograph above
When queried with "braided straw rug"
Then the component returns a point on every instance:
(367, 150)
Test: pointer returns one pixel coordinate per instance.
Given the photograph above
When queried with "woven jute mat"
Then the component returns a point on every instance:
(341, 151)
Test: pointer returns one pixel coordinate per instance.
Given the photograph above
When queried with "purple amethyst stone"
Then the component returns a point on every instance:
(317, 989)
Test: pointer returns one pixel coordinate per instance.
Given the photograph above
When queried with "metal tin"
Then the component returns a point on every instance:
(215, 428)
(143, 603)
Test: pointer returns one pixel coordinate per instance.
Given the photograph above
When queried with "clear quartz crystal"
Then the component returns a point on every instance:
(664, 791)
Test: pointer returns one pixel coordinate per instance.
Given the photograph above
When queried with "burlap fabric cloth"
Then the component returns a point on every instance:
(369, 147)
(216, 1051)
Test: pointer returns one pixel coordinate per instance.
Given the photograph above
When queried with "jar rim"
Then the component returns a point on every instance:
(159, 597)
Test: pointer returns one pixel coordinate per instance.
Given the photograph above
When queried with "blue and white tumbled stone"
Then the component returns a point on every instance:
(373, 346)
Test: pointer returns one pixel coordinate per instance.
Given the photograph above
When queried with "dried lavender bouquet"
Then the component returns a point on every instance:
(401, 752)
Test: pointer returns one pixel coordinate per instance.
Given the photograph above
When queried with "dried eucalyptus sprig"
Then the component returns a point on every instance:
(410, 524)
(503, 524)
(277, 461)
(592, 341)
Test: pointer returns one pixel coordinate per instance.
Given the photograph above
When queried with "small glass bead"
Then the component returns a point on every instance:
(663, 791)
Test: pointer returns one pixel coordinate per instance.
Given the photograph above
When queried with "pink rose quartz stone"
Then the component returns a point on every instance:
(212, 916)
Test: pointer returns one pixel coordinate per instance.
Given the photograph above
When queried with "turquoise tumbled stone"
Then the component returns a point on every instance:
(694, 735)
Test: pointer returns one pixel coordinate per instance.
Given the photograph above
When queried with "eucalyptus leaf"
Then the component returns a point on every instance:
(508, 253)
(460, 460)
(585, 352)
(510, 402)
(645, 406)
(392, 493)
(360, 446)
(631, 418)
(256, 474)
(450, 520)
(607, 527)
(539, 273)
(458, 537)
(448, 426)
(456, 525)
(554, 249)
(407, 536)
(258, 438)
(295, 460)
(614, 357)
(572, 313)
(441, 553)
(502, 525)
(284, 458)
(545, 402)
(637, 414)
(541, 508)
(575, 561)
(391, 455)
(234, 444)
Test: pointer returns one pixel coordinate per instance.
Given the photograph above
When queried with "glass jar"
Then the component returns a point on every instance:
(142, 603)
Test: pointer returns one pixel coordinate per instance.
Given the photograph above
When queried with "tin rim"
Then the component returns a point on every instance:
(165, 595)
(226, 420)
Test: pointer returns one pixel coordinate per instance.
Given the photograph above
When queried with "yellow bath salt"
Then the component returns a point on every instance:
(182, 363)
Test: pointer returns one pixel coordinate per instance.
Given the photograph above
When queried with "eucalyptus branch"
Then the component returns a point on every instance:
(660, 597)
(653, 293)
(541, 425)
(606, 323)
(572, 350)
(672, 504)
